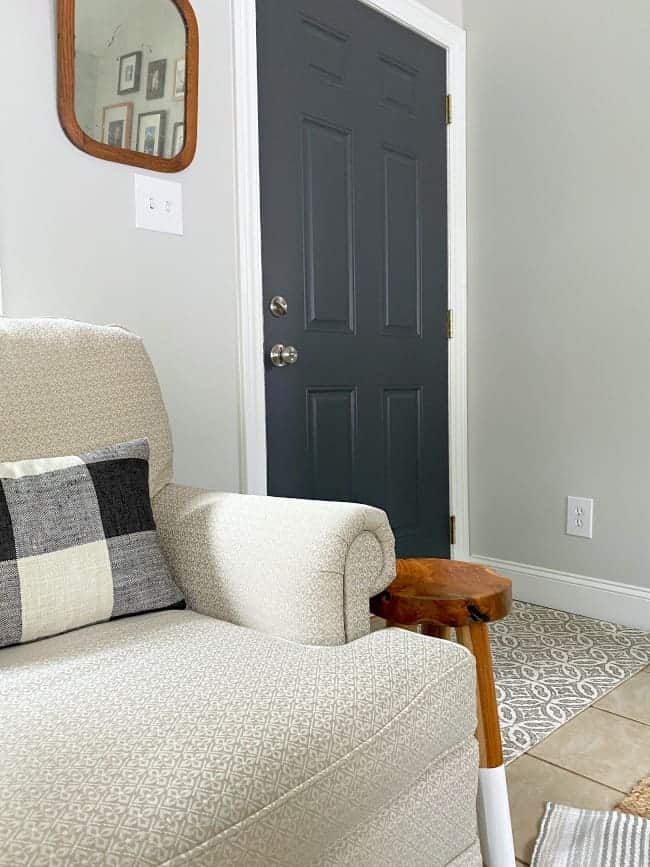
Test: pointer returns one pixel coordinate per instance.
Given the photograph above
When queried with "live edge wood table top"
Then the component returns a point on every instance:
(445, 592)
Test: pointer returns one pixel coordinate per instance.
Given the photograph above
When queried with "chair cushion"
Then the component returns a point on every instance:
(78, 543)
(69, 388)
(178, 739)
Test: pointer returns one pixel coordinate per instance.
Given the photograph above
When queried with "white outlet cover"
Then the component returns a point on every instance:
(158, 205)
(580, 517)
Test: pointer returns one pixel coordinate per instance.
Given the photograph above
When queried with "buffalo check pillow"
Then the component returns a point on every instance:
(78, 543)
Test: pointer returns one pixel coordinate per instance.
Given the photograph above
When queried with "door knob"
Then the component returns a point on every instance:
(282, 355)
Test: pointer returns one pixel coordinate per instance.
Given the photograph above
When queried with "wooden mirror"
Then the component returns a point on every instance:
(128, 80)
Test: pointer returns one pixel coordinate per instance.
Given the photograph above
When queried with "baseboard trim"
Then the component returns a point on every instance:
(626, 604)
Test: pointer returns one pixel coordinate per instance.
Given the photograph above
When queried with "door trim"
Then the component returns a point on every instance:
(252, 406)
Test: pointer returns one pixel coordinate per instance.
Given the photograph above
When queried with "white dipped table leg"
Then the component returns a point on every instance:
(494, 826)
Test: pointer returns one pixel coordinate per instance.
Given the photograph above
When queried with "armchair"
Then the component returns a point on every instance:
(263, 725)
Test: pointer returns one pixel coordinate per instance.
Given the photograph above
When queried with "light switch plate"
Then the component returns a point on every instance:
(158, 205)
(580, 517)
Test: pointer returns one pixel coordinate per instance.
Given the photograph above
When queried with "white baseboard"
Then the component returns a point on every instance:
(626, 604)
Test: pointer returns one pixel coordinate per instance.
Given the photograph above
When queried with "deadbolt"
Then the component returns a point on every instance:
(278, 306)
(282, 355)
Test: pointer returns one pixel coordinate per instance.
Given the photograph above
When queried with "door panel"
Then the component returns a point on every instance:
(403, 456)
(354, 236)
(402, 289)
(328, 228)
(332, 429)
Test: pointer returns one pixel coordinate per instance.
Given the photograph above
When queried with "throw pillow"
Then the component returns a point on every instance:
(78, 543)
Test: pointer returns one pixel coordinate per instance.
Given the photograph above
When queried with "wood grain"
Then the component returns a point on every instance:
(477, 640)
(445, 592)
(437, 631)
(66, 95)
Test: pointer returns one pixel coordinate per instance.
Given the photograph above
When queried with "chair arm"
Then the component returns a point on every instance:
(298, 569)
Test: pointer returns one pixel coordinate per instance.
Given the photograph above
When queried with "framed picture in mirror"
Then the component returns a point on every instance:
(117, 122)
(179, 78)
(178, 138)
(156, 75)
(128, 80)
(129, 71)
(151, 133)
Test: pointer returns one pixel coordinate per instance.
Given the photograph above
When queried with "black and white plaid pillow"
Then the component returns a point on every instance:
(78, 543)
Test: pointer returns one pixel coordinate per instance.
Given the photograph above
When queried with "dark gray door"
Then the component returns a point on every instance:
(354, 237)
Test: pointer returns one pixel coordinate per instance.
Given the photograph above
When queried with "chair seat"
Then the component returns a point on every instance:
(179, 739)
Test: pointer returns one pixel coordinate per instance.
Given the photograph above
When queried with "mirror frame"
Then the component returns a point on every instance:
(66, 95)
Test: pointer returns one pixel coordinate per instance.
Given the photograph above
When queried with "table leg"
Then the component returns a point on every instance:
(495, 828)
(436, 631)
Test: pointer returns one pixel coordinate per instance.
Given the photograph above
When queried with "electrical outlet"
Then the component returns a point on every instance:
(580, 517)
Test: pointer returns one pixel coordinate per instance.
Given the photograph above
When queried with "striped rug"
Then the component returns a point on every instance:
(570, 837)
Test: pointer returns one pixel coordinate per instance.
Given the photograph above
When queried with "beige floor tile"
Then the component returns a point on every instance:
(532, 782)
(609, 749)
(630, 699)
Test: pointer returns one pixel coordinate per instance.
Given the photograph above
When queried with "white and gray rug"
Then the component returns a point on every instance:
(549, 665)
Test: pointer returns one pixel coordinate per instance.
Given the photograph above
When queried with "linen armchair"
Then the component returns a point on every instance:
(263, 725)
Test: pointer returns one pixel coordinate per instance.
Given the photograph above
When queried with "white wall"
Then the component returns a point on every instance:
(559, 298)
(68, 245)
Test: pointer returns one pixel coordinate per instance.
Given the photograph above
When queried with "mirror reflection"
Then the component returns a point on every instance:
(130, 74)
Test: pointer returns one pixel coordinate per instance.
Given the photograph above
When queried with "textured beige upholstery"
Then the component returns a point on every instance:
(423, 826)
(174, 739)
(67, 388)
(302, 570)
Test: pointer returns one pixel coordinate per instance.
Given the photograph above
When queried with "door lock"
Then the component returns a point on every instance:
(278, 306)
(282, 355)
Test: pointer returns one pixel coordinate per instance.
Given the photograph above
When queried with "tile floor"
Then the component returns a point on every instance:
(592, 761)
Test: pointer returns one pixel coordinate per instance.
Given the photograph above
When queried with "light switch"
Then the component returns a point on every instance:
(158, 205)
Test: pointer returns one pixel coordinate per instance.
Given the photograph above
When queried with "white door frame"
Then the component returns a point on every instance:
(415, 16)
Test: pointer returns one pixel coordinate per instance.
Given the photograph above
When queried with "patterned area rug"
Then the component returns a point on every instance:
(549, 665)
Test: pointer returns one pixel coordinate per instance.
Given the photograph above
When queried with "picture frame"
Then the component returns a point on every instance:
(130, 70)
(151, 133)
(178, 138)
(156, 76)
(117, 124)
(179, 78)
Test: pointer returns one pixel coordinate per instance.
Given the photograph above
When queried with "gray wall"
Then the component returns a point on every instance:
(87, 65)
(559, 297)
(452, 10)
(68, 245)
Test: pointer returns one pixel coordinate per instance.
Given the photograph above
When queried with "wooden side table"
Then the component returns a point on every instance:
(439, 595)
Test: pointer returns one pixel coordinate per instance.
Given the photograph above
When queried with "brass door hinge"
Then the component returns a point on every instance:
(450, 324)
(448, 107)
(452, 529)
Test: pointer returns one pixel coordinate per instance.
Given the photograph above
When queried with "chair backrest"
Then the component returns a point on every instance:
(68, 388)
